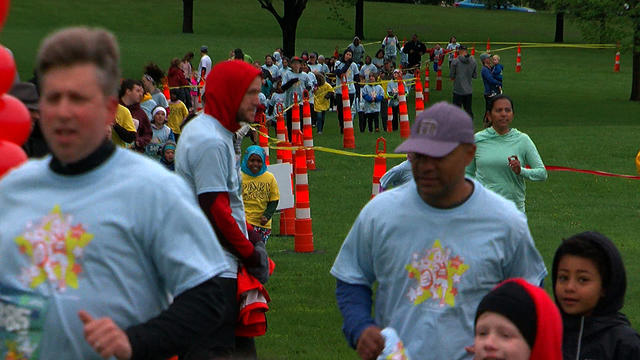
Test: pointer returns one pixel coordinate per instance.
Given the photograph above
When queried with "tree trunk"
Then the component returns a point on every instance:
(289, 37)
(360, 19)
(559, 27)
(187, 16)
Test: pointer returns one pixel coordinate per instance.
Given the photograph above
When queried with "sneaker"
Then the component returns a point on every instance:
(319, 132)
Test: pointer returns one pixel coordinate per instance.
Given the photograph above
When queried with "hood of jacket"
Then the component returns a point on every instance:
(616, 283)
(490, 133)
(251, 150)
(225, 88)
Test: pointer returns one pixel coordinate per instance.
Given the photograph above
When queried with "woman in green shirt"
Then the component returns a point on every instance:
(505, 156)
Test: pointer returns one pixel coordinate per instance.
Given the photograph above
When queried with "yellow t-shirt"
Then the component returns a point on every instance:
(177, 113)
(124, 119)
(256, 193)
(320, 103)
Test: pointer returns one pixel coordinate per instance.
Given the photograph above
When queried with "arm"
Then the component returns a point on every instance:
(354, 302)
(126, 136)
(343, 68)
(268, 212)
(537, 172)
(188, 321)
(454, 66)
(144, 133)
(217, 208)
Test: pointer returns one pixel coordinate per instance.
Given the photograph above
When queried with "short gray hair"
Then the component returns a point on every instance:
(83, 45)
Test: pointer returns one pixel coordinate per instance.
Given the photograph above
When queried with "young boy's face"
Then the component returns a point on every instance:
(495, 60)
(254, 163)
(498, 338)
(169, 155)
(578, 285)
(159, 118)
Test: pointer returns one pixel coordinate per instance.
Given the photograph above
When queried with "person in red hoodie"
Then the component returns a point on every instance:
(176, 79)
(517, 321)
(205, 158)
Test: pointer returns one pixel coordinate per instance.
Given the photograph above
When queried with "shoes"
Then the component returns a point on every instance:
(319, 132)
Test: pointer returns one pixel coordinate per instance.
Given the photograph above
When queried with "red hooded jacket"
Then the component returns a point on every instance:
(226, 86)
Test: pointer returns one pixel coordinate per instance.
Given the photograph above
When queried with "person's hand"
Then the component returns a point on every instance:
(370, 343)
(261, 270)
(514, 164)
(105, 337)
(263, 220)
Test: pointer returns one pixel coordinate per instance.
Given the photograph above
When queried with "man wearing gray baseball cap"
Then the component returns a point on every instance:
(434, 246)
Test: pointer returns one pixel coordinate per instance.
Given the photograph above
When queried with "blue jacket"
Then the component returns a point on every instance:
(491, 85)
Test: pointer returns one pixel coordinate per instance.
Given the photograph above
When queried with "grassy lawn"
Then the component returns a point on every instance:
(568, 100)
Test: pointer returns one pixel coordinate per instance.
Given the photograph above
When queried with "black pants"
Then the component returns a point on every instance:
(339, 104)
(290, 121)
(464, 101)
(362, 121)
(396, 117)
(487, 107)
(373, 119)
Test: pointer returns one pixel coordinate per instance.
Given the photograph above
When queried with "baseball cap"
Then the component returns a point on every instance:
(438, 130)
(462, 47)
(296, 58)
(204, 48)
(484, 56)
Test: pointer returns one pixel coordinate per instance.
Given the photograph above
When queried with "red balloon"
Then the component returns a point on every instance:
(15, 120)
(7, 69)
(11, 156)
(4, 10)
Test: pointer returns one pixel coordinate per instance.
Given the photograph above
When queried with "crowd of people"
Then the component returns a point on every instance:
(91, 271)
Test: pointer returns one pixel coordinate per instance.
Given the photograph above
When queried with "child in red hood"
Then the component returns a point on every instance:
(518, 321)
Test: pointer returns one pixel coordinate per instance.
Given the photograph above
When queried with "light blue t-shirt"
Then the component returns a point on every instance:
(205, 158)
(274, 70)
(298, 87)
(159, 138)
(433, 266)
(365, 70)
(397, 175)
(392, 91)
(374, 91)
(148, 107)
(160, 99)
(350, 73)
(102, 242)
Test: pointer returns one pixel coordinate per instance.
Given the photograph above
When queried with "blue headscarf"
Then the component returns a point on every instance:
(253, 149)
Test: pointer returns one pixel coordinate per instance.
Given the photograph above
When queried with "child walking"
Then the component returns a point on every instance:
(177, 113)
(373, 95)
(323, 94)
(589, 283)
(260, 192)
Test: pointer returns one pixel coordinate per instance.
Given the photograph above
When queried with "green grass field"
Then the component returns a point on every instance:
(569, 101)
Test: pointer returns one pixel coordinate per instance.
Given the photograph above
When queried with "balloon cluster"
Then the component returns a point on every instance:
(15, 121)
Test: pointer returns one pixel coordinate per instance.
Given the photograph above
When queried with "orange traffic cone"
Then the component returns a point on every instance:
(303, 241)
(263, 138)
(389, 119)
(419, 96)
(379, 166)
(201, 89)
(518, 60)
(455, 54)
(488, 45)
(616, 66)
(295, 120)
(426, 85)
(287, 216)
(405, 128)
(473, 49)
(307, 131)
(281, 131)
(165, 88)
(348, 137)
(439, 80)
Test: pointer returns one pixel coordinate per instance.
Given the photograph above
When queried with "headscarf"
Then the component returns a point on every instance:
(253, 149)
(226, 86)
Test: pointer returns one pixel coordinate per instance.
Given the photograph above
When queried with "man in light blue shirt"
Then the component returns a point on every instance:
(431, 247)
